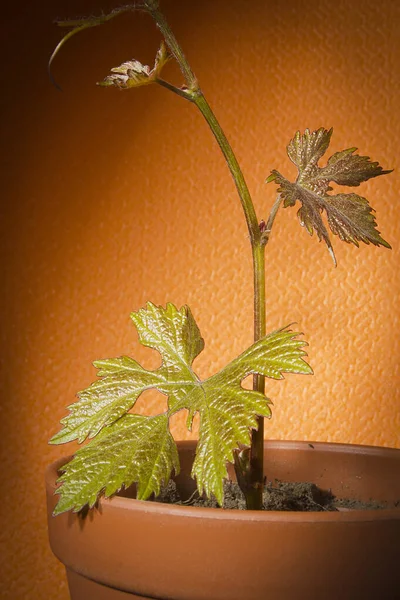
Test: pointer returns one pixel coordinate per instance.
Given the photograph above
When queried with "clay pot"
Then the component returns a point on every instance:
(127, 549)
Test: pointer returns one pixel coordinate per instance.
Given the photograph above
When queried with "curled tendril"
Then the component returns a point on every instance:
(85, 23)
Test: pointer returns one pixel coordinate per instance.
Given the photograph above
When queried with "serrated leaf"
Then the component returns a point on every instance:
(227, 411)
(347, 168)
(227, 415)
(133, 73)
(174, 333)
(349, 216)
(102, 406)
(277, 353)
(134, 449)
(106, 400)
(306, 150)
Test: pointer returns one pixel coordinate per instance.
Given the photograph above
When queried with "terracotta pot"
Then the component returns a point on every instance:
(129, 549)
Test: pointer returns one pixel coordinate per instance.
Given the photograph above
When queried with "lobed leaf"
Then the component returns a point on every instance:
(306, 150)
(174, 333)
(228, 411)
(279, 352)
(349, 216)
(227, 415)
(131, 448)
(105, 401)
(347, 168)
(134, 449)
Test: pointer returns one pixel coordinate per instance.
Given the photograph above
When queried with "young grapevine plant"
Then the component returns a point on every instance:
(130, 448)
(126, 448)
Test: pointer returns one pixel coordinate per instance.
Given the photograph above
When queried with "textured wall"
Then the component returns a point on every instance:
(113, 198)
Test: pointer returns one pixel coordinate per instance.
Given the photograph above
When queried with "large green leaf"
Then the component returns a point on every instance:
(130, 448)
(228, 411)
(349, 215)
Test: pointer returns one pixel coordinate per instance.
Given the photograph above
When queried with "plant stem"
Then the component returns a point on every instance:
(172, 43)
(249, 471)
(271, 219)
(233, 165)
(251, 479)
(173, 88)
(255, 484)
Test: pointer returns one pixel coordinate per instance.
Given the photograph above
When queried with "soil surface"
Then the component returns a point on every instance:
(277, 495)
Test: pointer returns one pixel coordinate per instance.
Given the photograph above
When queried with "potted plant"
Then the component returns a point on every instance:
(114, 539)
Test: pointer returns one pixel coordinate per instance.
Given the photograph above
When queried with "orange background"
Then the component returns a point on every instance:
(114, 198)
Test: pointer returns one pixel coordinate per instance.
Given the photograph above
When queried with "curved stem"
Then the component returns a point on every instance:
(233, 165)
(249, 469)
(251, 476)
(81, 24)
(271, 219)
(172, 43)
(195, 94)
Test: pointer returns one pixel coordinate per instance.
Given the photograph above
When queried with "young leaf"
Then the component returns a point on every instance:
(228, 411)
(132, 448)
(134, 74)
(135, 448)
(175, 335)
(349, 215)
(106, 400)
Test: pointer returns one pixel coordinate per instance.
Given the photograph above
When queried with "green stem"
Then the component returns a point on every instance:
(172, 43)
(251, 479)
(233, 165)
(173, 88)
(271, 219)
(255, 484)
(249, 470)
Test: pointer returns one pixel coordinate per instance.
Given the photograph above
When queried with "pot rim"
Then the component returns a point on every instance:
(355, 515)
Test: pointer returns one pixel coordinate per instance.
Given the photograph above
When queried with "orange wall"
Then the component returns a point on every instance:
(113, 198)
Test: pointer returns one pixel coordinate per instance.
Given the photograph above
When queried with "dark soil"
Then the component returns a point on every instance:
(279, 495)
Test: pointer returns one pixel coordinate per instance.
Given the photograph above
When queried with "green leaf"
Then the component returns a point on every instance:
(174, 333)
(130, 448)
(277, 353)
(106, 400)
(349, 216)
(134, 74)
(134, 449)
(228, 411)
